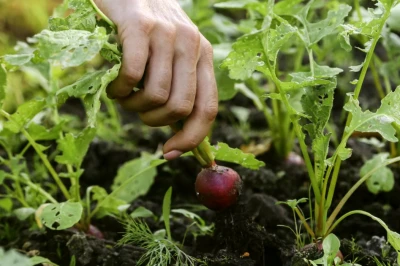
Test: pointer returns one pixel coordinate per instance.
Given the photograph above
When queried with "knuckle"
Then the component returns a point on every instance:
(192, 142)
(211, 111)
(132, 75)
(191, 34)
(145, 23)
(169, 31)
(158, 98)
(181, 110)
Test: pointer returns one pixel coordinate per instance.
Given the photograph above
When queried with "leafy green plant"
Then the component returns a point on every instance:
(307, 95)
(160, 248)
(75, 38)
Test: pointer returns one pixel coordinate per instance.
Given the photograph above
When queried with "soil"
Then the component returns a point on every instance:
(247, 234)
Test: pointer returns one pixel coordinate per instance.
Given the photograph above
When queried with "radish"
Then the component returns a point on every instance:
(218, 187)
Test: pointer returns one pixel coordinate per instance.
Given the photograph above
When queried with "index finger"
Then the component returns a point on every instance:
(199, 122)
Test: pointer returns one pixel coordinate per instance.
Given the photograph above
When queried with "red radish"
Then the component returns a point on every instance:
(218, 187)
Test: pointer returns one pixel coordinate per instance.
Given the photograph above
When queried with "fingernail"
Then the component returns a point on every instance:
(172, 155)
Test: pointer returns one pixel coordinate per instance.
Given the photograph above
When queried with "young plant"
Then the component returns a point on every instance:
(160, 248)
(287, 23)
(73, 41)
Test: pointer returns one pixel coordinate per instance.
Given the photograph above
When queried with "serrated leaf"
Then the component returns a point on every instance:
(24, 114)
(110, 205)
(274, 39)
(246, 56)
(381, 180)
(83, 18)
(69, 48)
(92, 101)
(380, 121)
(74, 148)
(61, 215)
(344, 153)
(223, 152)
(141, 183)
(39, 132)
(3, 84)
(314, 32)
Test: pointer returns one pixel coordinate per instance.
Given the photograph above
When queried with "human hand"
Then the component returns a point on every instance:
(179, 83)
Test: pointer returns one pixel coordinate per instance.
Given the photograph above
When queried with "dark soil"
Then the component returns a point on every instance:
(245, 235)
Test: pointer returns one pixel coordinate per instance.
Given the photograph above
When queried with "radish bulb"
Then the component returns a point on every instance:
(218, 187)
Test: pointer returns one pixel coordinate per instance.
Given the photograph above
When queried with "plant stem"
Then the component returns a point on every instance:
(357, 90)
(356, 212)
(303, 220)
(43, 157)
(40, 190)
(102, 15)
(354, 188)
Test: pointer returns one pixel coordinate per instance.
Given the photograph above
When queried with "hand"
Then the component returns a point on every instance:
(179, 83)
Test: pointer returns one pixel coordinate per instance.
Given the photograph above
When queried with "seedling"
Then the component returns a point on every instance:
(74, 38)
(287, 24)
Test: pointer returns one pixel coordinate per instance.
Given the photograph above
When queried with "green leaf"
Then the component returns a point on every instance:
(14, 258)
(92, 101)
(141, 176)
(166, 210)
(23, 213)
(344, 153)
(110, 204)
(6, 204)
(89, 83)
(39, 132)
(69, 47)
(394, 240)
(381, 180)
(380, 121)
(74, 148)
(24, 114)
(3, 84)
(42, 261)
(246, 56)
(141, 212)
(17, 59)
(293, 203)
(223, 152)
(314, 32)
(61, 215)
(83, 18)
(331, 245)
(274, 39)
(238, 4)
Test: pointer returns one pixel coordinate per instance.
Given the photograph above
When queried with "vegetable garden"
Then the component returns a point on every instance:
(301, 167)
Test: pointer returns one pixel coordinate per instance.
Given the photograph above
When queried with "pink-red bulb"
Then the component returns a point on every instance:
(218, 187)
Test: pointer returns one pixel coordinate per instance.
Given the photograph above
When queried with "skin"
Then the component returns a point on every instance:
(179, 83)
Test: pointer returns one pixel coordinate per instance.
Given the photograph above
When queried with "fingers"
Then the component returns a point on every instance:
(183, 92)
(135, 53)
(205, 109)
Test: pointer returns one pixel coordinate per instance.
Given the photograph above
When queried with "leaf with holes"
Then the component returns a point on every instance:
(380, 121)
(61, 215)
(74, 148)
(69, 48)
(24, 114)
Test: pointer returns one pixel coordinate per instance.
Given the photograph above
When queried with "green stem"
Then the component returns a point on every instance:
(354, 188)
(102, 15)
(303, 220)
(41, 191)
(299, 134)
(43, 157)
(357, 90)
(356, 212)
